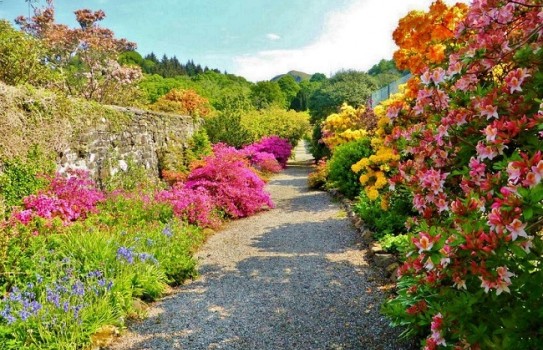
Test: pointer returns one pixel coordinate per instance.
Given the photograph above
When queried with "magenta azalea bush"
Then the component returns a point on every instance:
(69, 197)
(236, 189)
(264, 161)
(275, 145)
(196, 206)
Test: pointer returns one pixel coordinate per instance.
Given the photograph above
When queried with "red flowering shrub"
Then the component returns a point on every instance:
(275, 145)
(471, 143)
(69, 198)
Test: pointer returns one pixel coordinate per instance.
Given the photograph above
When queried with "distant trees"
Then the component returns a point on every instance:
(265, 94)
(351, 87)
(289, 87)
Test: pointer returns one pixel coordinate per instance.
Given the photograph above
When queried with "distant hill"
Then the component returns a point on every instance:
(298, 76)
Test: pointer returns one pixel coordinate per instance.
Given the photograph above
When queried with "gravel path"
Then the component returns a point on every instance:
(294, 277)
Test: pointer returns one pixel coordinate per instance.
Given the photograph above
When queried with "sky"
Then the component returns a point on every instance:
(257, 39)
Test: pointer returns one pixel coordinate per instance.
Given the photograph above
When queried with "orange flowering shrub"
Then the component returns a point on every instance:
(183, 102)
(423, 36)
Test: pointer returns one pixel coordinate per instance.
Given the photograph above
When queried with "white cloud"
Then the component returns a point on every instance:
(273, 36)
(355, 38)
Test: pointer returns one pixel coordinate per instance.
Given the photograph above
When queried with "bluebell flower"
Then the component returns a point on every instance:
(39, 278)
(76, 310)
(53, 297)
(146, 256)
(24, 314)
(15, 295)
(35, 307)
(150, 242)
(78, 288)
(66, 306)
(126, 254)
(6, 314)
(95, 274)
(167, 231)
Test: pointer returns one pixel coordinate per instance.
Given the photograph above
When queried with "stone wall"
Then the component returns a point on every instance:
(105, 147)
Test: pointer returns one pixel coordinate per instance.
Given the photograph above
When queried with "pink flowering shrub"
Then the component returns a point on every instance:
(69, 198)
(223, 182)
(195, 206)
(471, 143)
(236, 189)
(264, 161)
(275, 145)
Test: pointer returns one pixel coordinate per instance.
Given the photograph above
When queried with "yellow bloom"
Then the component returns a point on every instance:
(364, 178)
(372, 193)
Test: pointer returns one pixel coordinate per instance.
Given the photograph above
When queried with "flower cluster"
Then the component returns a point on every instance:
(223, 182)
(349, 124)
(70, 198)
(279, 147)
(466, 136)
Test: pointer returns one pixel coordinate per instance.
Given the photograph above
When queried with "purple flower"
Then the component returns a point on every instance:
(146, 256)
(126, 254)
(24, 314)
(78, 288)
(53, 297)
(167, 231)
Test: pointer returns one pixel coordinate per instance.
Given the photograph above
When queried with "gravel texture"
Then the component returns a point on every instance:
(295, 277)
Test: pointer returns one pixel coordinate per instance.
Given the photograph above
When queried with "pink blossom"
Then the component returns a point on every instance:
(515, 78)
(424, 242)
(491, 133)
(433, 180)
(489, 111)
(516, 227)
(438, 75)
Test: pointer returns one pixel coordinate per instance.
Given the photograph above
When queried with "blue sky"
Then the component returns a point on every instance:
(257, 39)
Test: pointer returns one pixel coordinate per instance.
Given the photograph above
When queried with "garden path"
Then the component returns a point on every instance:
(295, 277)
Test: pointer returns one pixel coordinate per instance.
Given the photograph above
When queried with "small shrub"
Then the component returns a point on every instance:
(133, 176)
(21, 177)
(385, 215)
(195, 206)
(340, 175)
(394, 243)
(226, 127)
(318, 177)
(68, 198)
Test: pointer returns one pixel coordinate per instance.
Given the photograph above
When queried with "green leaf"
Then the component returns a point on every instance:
(528, 213)
(518, 251)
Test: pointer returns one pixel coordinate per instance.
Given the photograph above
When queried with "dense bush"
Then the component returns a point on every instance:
(464, 138)
(387, 214)
(289, 125)
(21, 177)
(68, 197)
(20, 58)
(340, 175)
(279, 147)
(236, 189)
(226, 127)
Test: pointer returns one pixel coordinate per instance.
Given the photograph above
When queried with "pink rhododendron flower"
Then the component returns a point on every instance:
(515, 78)
(424, 242)
(516, 227)
(489, 111)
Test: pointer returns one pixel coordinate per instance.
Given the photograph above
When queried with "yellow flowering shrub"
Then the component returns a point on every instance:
(350, 124)
(375, 168)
